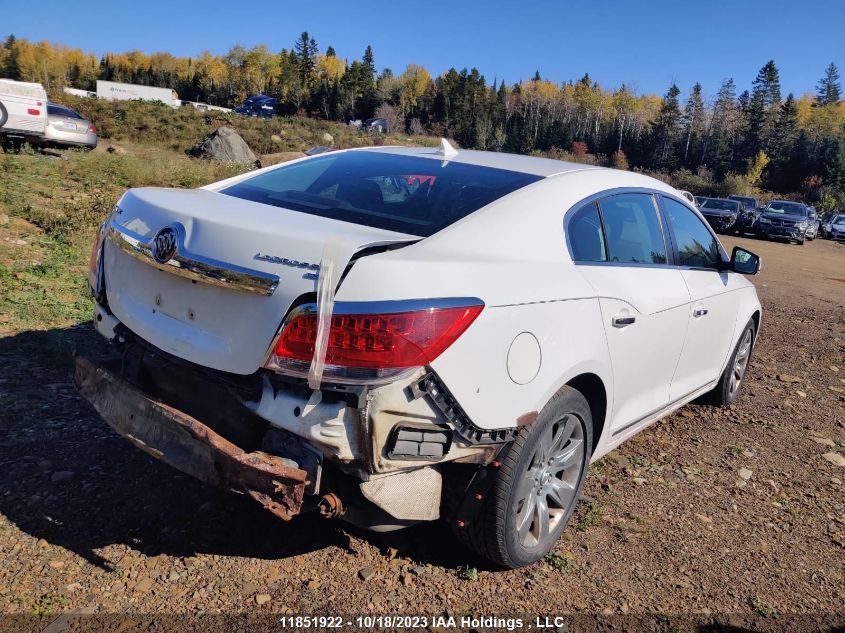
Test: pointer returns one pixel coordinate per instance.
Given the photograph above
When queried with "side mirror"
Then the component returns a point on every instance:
(745, 262)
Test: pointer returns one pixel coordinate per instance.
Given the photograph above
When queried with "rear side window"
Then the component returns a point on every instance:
(407, 194)
(632, 229)
(694, 242)
(586, 236)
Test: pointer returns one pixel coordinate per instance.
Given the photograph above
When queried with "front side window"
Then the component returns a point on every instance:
(632, 229)
(586, 236)
(696, 245)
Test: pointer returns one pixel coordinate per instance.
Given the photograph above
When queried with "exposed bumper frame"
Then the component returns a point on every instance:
(187, 444)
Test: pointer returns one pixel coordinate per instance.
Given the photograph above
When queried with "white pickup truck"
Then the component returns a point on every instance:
(23, 109)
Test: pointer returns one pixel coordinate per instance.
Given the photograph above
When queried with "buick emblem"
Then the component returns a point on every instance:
(164, 245)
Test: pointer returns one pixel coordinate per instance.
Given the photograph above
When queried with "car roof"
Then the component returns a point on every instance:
(498, 160)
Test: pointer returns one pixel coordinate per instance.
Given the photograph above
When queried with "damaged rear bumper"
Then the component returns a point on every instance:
(187, 444)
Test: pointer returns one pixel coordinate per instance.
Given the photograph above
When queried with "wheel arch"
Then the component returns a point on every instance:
(592, 388)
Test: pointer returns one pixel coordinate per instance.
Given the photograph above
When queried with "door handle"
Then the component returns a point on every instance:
(622, 321)
(700, 312)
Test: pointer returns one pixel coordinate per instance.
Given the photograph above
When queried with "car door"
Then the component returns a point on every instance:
(714, 304)
(619, 245)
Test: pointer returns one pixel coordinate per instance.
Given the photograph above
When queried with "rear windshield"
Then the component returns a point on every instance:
(55, 110)
(406, 194)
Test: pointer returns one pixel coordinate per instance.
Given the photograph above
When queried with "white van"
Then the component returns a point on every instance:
(23, 109)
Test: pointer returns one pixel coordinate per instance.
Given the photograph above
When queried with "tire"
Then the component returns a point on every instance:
(563, 432)
(4, 116)
(800, 242)
(726, 392)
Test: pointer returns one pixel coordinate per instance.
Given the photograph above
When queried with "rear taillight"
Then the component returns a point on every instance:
(33, 112)
(373, 346)
(92, 128)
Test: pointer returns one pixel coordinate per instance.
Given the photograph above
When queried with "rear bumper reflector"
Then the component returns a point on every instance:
(187, 444)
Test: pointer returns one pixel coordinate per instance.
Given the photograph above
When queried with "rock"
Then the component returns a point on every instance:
(224, 145)
(42, 543)
(313, 585)
(45, 464)
(392, 553)
(262, 598)
(366, 573)
(824, 441)
(836, 389)
(74, 586)
(745, 474)
(703, 518)
(56, 564)
(174, 576)
(788, 378)
(801, 394)
(4, 219)
(418, 570)
(279, 157)
(116, 150)
(62, 475)
(144, 585)
(640, 481)
(407, 580)
(837, 459)
(327, 138)
(832, 367)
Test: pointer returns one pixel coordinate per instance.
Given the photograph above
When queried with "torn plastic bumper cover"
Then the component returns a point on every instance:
(187, 444)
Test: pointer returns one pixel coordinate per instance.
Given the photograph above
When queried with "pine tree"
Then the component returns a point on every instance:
(721, 136)
(762, 110)
(667, 130)
(9, 58)
(828, 90)
(306, 51)
(693, 121)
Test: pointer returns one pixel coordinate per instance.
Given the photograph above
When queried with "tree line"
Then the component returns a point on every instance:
(755, 138)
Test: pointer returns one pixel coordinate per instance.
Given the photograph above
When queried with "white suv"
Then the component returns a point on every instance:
(390, 335)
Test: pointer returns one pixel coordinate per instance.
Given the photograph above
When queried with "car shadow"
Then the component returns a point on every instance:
(67, 478)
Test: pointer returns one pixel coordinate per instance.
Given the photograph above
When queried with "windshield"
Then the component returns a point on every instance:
(786, 208)
(720, 205)
(839, 220)
(407, 194)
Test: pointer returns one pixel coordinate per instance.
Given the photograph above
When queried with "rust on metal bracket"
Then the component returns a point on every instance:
(187, 444)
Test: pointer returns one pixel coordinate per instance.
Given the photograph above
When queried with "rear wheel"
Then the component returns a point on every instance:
(4, 116)
(539, 483)
(726, 392)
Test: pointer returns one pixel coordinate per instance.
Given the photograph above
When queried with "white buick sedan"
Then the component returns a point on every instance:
(393, 335)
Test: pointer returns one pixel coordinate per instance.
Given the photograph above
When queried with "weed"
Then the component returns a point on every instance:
(589, 516)
(761, 608)
(465, 572)
(564, 563)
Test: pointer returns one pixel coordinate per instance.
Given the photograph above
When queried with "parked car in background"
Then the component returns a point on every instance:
(721, 213)
(378, 125)
(343, 332)
(784, 220)
(699, 200)
(260, 106)
(68, 128)
(835, 229)
(813, 227)
(23, 110)
(748, 215)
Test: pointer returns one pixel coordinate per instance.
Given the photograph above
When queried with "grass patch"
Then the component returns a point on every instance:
(761, 608)
(48, 604)
(563, 563)
(589, 514)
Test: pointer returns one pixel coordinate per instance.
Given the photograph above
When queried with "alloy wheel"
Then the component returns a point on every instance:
(550, 484)
(743, 353)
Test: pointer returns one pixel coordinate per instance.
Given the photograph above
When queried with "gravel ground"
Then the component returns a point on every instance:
(734, 515)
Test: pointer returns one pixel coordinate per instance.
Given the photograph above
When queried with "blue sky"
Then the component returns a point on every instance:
(646, 44)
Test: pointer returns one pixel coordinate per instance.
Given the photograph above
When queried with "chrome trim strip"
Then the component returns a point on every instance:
(194, 267)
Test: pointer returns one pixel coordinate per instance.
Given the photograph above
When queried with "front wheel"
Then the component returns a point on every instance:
(726, 392)
(539, 483)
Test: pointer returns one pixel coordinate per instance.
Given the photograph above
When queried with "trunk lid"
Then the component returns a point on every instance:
(219, 299)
